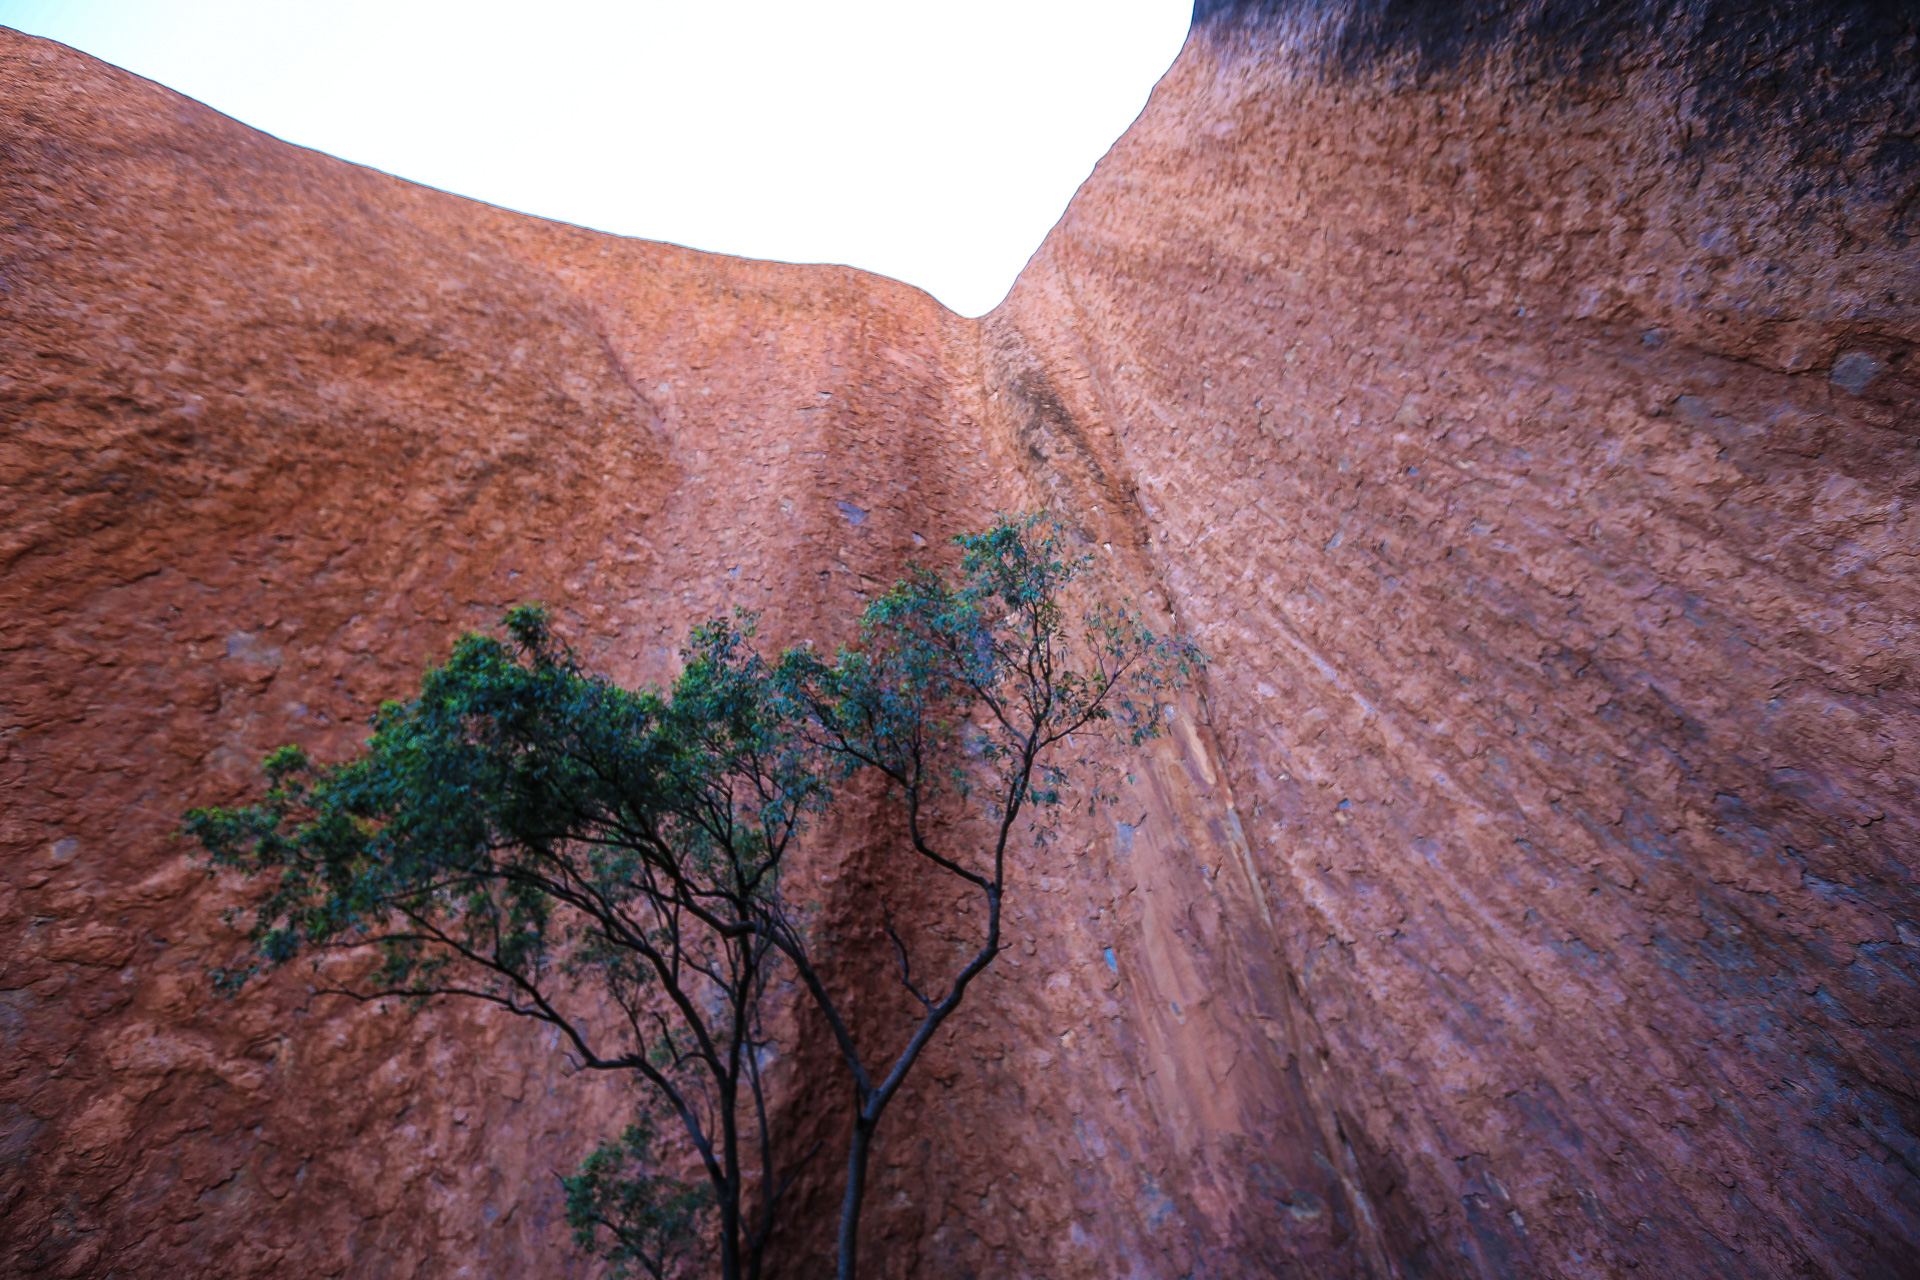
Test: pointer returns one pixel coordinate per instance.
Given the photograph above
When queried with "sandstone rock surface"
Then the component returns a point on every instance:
(1519, 405)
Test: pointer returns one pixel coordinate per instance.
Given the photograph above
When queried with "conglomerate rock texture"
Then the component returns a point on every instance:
(1518, 402)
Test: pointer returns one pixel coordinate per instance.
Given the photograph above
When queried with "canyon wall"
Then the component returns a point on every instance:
(1517, 403)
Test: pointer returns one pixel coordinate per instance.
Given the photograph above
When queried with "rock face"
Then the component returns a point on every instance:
(1518, 402)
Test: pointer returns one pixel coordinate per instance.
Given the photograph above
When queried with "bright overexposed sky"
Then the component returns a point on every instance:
(932, 142)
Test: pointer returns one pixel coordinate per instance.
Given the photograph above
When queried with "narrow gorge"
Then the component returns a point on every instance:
(1517, 401)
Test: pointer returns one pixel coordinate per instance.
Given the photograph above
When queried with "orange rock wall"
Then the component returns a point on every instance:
(277, 429)
(1529, 891)
(1492, 433)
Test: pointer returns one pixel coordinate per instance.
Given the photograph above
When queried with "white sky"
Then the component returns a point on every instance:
(932, 142)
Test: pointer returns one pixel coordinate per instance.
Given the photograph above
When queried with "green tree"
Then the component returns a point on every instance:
(609, 861)
(620, 1201)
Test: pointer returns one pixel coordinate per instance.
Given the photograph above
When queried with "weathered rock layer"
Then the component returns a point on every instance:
(1517, 403)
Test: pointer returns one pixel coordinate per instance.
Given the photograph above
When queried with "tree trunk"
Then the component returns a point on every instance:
(863, 1128)
(729, 1238)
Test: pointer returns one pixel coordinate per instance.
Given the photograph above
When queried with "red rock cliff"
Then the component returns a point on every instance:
(1518, 404)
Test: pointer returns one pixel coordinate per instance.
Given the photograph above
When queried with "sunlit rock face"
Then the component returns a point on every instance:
(1518, 404)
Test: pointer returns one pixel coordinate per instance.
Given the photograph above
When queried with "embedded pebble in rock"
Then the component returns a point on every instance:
(1521, 412)
(1856, 371)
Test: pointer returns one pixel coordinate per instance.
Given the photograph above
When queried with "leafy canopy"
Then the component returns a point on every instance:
(528, 833)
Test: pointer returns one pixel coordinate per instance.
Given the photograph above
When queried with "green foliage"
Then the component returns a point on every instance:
(995, 651)
(642, 1216)
(527, 833)
(515, 785)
